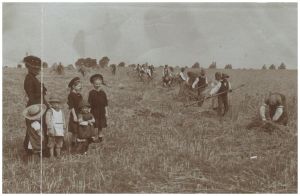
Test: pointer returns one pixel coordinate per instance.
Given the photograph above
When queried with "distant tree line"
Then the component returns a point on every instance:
(273, 67)
(83, 63)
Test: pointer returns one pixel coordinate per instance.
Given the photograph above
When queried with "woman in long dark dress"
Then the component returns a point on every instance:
(35, 93)
(98, 101)
(74, 99)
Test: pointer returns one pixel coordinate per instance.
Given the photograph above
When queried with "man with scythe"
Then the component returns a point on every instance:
(221, 89)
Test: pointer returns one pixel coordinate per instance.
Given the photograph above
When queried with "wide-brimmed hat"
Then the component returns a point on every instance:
(84, 104)
(96, 76)
(54, 99)
(72, 82)
(34, 112)
(32, 62)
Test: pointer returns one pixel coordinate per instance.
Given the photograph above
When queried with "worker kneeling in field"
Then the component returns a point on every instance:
(221, 90)
(276, 104)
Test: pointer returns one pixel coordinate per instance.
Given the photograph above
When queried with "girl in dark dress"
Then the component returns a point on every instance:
(98, 101)
(74, 99)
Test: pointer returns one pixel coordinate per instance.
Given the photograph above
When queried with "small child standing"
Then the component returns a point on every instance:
(55, 121)
(74, 99)
(86, 127)
(98, 100)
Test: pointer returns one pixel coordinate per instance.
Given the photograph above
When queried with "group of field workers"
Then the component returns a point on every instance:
(144, 69)
(46, 125)
(218, 92)
(45, 120)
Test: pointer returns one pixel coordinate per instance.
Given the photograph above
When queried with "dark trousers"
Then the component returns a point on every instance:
(200, 96)
(223, 102)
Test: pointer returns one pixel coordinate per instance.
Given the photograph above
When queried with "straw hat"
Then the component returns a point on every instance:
(34, 112)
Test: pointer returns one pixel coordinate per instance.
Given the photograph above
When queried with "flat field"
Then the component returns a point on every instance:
(155, 145)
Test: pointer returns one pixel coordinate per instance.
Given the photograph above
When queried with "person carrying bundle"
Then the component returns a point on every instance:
(222, 88)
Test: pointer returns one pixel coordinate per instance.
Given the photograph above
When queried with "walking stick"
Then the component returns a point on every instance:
(215, 95)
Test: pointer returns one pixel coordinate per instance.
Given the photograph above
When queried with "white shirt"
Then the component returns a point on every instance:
(148, 71)
(216, 88)
(277, 115)
(181, 74)
(58, 122)
(197, 80)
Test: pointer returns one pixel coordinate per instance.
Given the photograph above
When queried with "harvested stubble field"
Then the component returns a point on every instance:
(155, 145)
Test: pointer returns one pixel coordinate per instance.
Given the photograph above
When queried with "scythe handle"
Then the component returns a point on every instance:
(215, 95)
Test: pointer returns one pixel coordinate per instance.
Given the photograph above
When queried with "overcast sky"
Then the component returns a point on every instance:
(242, 34)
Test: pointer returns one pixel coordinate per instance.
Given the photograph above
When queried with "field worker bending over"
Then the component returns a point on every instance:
(148, 72)
(200, 84)
(182, 76)
(276, 104)
(221, 89)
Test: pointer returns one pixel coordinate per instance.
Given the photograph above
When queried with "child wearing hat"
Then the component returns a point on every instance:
(98, 101)
(86, 128)
(74, 98)
(55, 121)
(86, 121)
(34, 115)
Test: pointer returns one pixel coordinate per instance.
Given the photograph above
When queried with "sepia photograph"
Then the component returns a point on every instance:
(144, 97)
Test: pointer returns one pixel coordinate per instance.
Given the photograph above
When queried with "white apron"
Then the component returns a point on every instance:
(58, 123)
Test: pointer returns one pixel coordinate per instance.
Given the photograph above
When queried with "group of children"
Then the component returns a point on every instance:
(87, 118)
